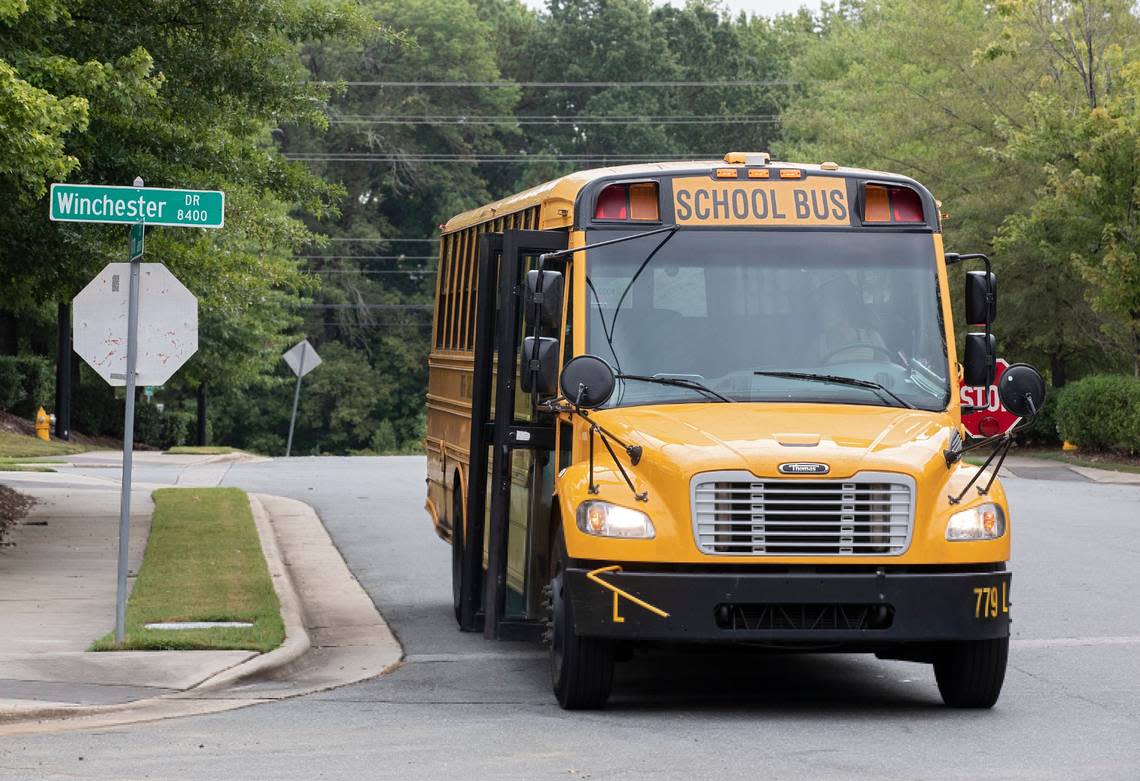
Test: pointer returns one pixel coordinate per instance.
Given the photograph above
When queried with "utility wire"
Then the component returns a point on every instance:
(564, 121)
(340, 238)
(367, 257)
(334, 157)
(413, 307)
(406, 272)
(566, 84)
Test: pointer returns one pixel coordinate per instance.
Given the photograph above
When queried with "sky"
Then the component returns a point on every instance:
(763, 7)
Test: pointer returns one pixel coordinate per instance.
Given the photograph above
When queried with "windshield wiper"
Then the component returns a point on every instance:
(836, 380)
(677, 382)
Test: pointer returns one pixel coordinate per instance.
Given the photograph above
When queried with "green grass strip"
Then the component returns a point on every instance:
(13, 445)
(202, 450)
(203, 562)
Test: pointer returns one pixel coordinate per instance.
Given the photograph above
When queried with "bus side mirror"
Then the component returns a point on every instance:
(1022, 390)
(981, 360)
(981, 297)
(587, 381)
(545, 361)
(545, 306)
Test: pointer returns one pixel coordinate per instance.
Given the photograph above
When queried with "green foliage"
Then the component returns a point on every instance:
(1101, 412)
(162, 429)
(1043, 430)
(1021, 116)
(27, 382)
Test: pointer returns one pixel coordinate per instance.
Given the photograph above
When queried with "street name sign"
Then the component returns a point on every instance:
(138, 231)
(167, 324)
(151, 205)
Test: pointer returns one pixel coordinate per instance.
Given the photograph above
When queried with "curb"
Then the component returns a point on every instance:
(228, 689)
(296, 638)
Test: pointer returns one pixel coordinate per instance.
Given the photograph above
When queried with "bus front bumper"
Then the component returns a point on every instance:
(861, 609)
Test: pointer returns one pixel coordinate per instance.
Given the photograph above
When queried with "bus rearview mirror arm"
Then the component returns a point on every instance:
(1022, 391)
(633, 451)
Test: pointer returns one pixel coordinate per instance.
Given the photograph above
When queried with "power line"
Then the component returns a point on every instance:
(413, 307)
(408, 272)
(367, 257)
(353, 157)
(565, 84)
(483, 121)
(344, 238)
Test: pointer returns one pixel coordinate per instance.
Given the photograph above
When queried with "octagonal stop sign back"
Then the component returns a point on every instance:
(168, 323)
(994, 419)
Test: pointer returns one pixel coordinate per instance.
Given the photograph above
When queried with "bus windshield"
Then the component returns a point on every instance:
(718, 306)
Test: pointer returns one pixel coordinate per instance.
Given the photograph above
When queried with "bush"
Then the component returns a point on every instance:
(27, 382)
(164, 430)
(1101, 412)
(148, 424)
(1042, 432)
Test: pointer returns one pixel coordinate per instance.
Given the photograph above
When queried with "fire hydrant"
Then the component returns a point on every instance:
(43, 425)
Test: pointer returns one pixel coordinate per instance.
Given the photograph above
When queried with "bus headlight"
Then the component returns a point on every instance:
(984, 522)
(603, 519)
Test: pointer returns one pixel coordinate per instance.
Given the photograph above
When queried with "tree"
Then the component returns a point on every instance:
(974, 100)
(1084, 134)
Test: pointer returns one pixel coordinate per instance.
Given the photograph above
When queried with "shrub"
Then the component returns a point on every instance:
(1043, 430)
(27, 382)
(1101, 412)
(166, 429)
(148, 424)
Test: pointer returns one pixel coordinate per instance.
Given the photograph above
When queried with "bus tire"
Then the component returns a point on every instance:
(970, 674)
(456, 551)
(581, 668)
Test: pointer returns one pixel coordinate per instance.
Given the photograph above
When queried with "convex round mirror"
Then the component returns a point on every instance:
(1022, 390)
(588, 381)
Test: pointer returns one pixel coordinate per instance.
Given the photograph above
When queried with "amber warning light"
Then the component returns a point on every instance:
(628, 202)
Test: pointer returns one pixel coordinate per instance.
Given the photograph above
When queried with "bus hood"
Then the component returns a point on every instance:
(684, 439)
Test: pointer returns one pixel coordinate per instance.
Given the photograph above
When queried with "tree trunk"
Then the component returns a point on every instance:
(1057, 369)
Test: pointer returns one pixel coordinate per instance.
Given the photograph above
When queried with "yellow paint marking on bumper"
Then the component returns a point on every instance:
(618, 593)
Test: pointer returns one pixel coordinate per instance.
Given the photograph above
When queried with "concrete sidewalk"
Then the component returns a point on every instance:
(1032, 468)
(57, 595)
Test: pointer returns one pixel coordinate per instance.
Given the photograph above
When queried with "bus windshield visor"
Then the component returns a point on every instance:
(716, 307)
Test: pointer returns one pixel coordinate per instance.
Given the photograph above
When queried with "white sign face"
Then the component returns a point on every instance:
(168, 324)
(293, 357)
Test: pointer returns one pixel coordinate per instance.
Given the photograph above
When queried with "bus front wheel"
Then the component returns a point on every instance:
(970, 674)
(581, 668)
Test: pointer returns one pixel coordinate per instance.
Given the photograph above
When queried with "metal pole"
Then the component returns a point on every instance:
(128, 453)
(296, 397)
(202, 414)
(63, 372)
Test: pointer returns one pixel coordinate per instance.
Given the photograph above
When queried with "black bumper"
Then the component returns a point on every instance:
(863, 609)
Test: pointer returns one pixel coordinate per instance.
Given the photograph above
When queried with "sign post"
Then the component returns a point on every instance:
(302, 359)
(168, 316)
(128, 450)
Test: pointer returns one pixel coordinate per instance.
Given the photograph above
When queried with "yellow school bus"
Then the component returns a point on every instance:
(715, 402)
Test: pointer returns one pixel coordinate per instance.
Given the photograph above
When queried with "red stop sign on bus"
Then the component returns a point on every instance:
(994, 419)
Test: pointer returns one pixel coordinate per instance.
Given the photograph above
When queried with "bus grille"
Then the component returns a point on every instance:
(736, 514)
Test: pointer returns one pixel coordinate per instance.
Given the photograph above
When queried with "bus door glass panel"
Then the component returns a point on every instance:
(530, 502)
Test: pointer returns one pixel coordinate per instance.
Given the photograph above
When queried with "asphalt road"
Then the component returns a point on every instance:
(463, 707)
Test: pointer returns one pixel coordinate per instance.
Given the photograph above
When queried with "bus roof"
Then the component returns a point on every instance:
(561, 193)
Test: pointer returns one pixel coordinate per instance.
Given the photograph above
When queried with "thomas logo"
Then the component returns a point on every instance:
(804, 468)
